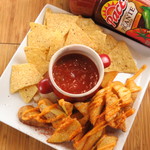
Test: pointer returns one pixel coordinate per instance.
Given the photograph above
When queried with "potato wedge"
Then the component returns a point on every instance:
(27, 118)
(92, 140)
(95, 108)
(82, 107)
(108, 78)
(112, 106)
(107, 142)
(53, 114)
(66, 106)
(68, 129)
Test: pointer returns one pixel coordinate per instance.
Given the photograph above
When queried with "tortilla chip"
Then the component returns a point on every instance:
(93, 31)
(61, 22)
(99, 39)
(87, 24)
(23, 75)
(109, 44)
(77, 36)
(121, 59)
(36, 25)
(40, 36)
(57, 42)
(28, 93)
(37, 56)
(47, 14)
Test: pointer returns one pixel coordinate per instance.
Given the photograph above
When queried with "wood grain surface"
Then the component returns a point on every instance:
(15, 16)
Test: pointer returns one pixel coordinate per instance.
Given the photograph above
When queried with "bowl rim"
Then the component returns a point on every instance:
(82, 48)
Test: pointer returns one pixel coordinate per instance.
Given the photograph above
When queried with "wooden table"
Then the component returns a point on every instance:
(15, 16)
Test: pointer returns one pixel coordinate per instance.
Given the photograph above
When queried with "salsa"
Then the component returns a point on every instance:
(75, 73)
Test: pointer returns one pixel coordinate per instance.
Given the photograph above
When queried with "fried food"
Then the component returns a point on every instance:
(83, 123)
(28, 93)
(22, 76)
(82, 107)
(57, 42)
(109, 45)
(123, 93)
(95, 108)
(47, 14)
(87, 24)
(91, 141)
(108, 78)
(93, 31)
(60, 22)
(112, 106)
(130, 83)
(121, 59)
(106, 142)
(54, 115)
(26, 115)
(66, 106)
(77, 36)
(37, 57)
(67, 130)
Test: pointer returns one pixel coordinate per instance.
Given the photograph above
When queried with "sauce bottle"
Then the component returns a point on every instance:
(130, 17)
(83, 7)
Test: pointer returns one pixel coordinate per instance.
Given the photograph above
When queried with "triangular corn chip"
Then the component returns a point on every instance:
(23, 75)
(87, 24)
(47, 14)
(77, 36)
(60, 22)
(121, 59)
(40, 36)
(109, 44)
(93, 30)
(28, 93)
(57, 42)
(37, 56)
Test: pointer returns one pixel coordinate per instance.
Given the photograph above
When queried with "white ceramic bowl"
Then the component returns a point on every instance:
(76, 49)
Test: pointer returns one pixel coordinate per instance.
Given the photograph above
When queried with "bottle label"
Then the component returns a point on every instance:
(119, 14)
(112, 11)
(127, 16)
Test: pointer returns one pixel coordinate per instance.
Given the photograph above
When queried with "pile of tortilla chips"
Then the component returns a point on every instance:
(59, 30)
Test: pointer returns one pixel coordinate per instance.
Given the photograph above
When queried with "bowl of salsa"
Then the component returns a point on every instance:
(76, 72)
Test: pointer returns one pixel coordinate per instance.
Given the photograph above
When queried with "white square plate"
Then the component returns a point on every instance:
(10, 104)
